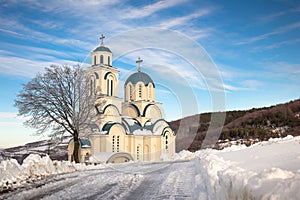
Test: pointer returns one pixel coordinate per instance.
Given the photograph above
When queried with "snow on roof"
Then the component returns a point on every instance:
(142, 132)
(148, 123)
(130, 121)
(85, 143)
(103, 132)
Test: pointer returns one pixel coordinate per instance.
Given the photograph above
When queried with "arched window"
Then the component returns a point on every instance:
(110, 86)
(101, 59)
(113, 144)
(140, 91)
(138, 153)
(94, 60)
(107, 86)
(108, 60)
(130, 92)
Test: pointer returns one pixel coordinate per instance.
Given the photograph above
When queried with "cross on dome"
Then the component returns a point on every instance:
(139, 62)
(102, 38)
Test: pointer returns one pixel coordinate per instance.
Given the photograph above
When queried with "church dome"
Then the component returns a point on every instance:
(139, 77)
(102, 48)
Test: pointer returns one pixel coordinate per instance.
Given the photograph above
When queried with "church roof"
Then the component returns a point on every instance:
(85, 143)
(139, 76)
(131, 124)
(102, 48)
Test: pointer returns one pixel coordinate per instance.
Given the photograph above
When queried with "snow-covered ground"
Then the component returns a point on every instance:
(266, 170)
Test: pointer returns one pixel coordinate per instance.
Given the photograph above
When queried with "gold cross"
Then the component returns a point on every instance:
(102, 38)
(139, 66)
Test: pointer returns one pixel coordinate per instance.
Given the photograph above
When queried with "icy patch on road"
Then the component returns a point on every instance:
(34, 167)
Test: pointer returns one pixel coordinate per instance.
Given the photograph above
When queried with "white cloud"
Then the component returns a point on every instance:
(277, 31)
(274, 16)
(16, 66)
(8, 115)
(276, 45)
(140, 12)
(11, 119)
(183, 59)
(179, 21)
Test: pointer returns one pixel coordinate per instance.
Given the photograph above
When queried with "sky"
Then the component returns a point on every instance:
(202, 55)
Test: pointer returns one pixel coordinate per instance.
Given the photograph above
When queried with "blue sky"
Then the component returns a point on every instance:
(255, 46)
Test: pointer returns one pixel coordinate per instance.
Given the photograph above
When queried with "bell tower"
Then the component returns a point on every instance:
(102, 54)
(103, 84)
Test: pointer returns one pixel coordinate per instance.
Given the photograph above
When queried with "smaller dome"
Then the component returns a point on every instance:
(102, 48)
(139, 76)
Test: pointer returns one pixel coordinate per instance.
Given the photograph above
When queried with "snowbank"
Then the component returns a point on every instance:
(266, 170)
(182, 155)
(34, 167)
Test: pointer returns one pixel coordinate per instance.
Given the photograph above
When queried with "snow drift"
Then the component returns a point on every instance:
(34, 167)
(267, 170)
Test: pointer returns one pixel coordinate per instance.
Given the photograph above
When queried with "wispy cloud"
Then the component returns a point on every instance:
(140, 12)
(273, 16)
(11, 119)
(275, 45)
(184, 19)
(278, 31)
(16, 66)
(10, 32)
(284, 70)
(7, 115)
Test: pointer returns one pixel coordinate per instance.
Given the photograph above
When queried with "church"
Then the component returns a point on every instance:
(125, 130)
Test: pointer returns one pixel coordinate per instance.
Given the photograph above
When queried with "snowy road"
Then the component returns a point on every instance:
(161, 180)
(266, 170)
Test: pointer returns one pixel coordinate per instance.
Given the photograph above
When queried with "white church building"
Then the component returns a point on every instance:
(132, 129)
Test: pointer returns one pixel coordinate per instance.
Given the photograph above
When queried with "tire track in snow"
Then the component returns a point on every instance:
(174, 181)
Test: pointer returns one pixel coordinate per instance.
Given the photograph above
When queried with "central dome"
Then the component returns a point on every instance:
(102, 48)
(139, 77)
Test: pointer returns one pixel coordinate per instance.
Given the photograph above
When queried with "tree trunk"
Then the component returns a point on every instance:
(76, 148)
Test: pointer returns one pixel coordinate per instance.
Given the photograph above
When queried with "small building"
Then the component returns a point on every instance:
(132, 129)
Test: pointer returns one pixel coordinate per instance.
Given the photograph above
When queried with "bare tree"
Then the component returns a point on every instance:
(58, 101)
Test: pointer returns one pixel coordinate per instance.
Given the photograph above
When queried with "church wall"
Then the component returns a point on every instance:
(147, 94)
(138, 146)
(155, 147)
(95, 142)
(168, 140)
(84, 153)
(70, 150)
(103, 143)
(150, 92)
(116, 139)
(147, 148)
(105, 58)
(129, 110)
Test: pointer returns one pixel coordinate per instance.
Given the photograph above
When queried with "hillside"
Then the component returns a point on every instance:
(55, 148)
(249, 126)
